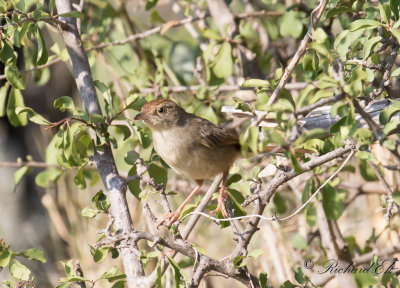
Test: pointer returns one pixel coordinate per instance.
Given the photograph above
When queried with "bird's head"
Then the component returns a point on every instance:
(162, 114)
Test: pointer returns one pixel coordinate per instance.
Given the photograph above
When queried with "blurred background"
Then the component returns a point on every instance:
(50, 217)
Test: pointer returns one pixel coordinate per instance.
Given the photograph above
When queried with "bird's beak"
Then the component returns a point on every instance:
(139, 116)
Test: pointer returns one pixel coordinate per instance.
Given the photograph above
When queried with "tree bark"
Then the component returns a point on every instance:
(114, 184)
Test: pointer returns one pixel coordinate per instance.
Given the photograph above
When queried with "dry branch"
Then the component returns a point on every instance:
(319, 117)
(114, 184)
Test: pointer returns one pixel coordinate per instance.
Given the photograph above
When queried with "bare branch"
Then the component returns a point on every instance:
(389, 193)
(114, 184)
(315, 17)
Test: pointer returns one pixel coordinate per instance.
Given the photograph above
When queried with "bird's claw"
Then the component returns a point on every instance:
(221, 206)
(172, 217)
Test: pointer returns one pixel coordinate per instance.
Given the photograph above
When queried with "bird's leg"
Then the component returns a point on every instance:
(222, 197)
(173, 216)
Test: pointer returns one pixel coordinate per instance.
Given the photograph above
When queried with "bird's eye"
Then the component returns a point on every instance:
(161, 110)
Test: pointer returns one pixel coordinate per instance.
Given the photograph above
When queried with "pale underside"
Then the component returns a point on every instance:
(208, 157)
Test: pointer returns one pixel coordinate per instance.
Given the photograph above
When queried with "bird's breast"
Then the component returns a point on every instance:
(190, 158)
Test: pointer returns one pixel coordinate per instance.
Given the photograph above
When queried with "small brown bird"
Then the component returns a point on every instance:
(192, 146)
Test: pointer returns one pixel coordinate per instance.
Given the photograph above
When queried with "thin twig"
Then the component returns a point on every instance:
(275, 218)
(296, 58)
(389, 196)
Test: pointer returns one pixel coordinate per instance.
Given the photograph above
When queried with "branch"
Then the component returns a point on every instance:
(158, 29)
(307, 109)
(283, 177)
(218, 89)
(275, 218)
(386, 75)
(296, 58)
(389, 196)
(376, 130)
(187, 250)
(114, 184)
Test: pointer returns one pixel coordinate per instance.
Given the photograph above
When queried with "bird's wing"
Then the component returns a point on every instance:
(212, 136)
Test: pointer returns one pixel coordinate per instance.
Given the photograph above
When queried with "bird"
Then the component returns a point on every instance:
(192, 146)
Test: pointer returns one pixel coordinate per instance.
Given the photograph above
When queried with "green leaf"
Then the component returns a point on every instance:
(316, 133)
(311, 215)
(387, 113)
(365, 280)
(295, 162)
(100, 201)
(364, 23)
(180, 281)
(395, 33)
(6, 256)
(389, 127)
(79, 178)
(89, 212)
(119, 284)
(344, 40)
(44, 178)
(223, 64)
(160, 175)
(19, 174)
(106, 92)
(370, 45)
(15, 78)
(65, 103)
(288, 284)
(233, 178)
(211, 34)
(299, 276)
(395, 73)
(113, 274)
(72, 14)
(394, 5)
(238, 261)
(42, 50)
(51, 6)
(134, 186)
(100, 254)
(125, 131)
(3, 98)
(396, 197)
(34, 254)
(32, 115)
(291, 24)
(354, 86)
(155, 17)
(256, 83)
(384, 11)
(19, 270)
(338, 10)
(310, 61)
(143, 136)
(299, 242)
(255, 253)
(7, 51)
(150, 4)
(23, 32)
(241, 105)
(263, 279)
(15, 100)
(332, 203)
(131, 157)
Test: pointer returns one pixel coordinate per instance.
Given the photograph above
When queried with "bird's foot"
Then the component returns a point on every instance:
(221, 206)
(172, 217)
